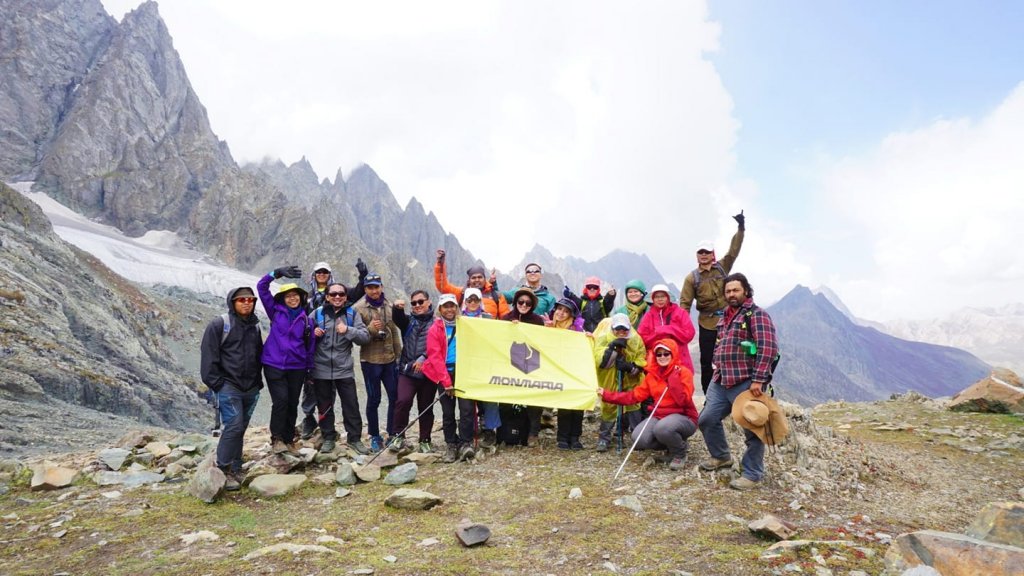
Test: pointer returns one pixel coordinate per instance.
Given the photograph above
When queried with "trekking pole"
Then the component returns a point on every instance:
(640, 433)
(402, 433)
(618, 417)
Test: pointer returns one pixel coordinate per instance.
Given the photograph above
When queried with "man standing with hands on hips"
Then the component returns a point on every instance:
(744, 358)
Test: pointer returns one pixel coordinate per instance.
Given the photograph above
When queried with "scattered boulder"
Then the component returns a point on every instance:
(420, 458)
(367, 472)
(342, 492)
(129, 479)
(386, 459)
(207, 483)
(575, 493)
(1001, 523)
(403, 474)
(1001, 392)
(630, 502)
(772, 527)
(295, 549)
(134, 439)
(143, 458)
(49, 476)
(271, 485)
(411, 499)
(325, 479)
(345, 476)
(113, 458)
(472, 534)
(200, 536)
(283, 463)
(952, 554)
(158, 449)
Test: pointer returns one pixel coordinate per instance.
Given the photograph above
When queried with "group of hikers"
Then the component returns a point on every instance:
(641, 357)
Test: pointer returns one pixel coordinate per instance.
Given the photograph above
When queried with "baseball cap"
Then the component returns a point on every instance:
(706, 245)
(447, 299)
(372, 279)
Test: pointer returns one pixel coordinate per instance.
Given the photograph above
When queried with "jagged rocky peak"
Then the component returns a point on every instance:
(48, 47)
(134, 145)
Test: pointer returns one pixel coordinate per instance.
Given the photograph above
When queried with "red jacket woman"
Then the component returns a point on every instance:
(665, 319)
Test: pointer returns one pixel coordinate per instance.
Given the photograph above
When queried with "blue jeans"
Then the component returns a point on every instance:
(235, 408)
(492, 417)
(718, 405)
(373, 376)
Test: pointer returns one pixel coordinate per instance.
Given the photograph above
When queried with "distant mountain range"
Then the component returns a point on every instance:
(827, 356)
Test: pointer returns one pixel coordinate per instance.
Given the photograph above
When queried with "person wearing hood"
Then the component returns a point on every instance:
(412, 383)
(472, 304)
(439, 368)
(338, 329)
(319, 280)
(636, 306)
(230, 366)
(593, 306)
(494, 302)
(674, 418)
(287, 354)
(378, 358)
(620, 357)
(545, 300)
(705, 285)
(566, 316)
(666, 319)
(523, 304)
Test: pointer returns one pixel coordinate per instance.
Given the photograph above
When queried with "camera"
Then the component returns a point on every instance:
(382, 335)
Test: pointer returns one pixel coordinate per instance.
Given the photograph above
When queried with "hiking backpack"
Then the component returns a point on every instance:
(225, 320)
(697, 278)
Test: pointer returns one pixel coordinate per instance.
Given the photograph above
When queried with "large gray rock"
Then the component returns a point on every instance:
(402, 474)
(207, 483)
(345, 476)
(1001, 392)
(410, 499)
(772, 527)
(49, 476)
(271, 485)
(1001, 523)
(113, 458)
(129, 479)
(472, 534)
(367, 472)
(952, 554)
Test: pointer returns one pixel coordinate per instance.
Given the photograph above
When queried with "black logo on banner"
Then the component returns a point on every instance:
(524, 357)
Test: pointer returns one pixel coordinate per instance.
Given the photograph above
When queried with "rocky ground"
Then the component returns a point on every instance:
(861, 473)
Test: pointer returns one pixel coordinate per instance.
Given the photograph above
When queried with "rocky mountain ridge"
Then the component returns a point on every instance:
(74, 331)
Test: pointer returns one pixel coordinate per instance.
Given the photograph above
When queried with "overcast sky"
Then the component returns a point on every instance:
(875, 148)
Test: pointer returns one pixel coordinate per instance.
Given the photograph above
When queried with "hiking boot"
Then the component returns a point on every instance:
(328, 446)
(677, 463)
(714, 464)
(294, 447)
(231, 484)
(663, 458)
(278, 447)
(743, 483)
(308, 427)
(562, 444)
(451, 454)
(426, 447)
(466, 453)
(358, 447)
(575, 443)
(488, 439)
(376, 443)
(602, 446)
(396, 444)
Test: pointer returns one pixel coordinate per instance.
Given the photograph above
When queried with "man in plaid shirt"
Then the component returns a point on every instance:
(744, 352)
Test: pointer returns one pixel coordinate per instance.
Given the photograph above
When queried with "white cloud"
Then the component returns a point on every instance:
(939, 211)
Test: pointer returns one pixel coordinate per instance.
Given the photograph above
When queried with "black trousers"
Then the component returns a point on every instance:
(570, 424)
(462, 433)
(346, 390)
(421, 389)
(285, 387)
(707, 355)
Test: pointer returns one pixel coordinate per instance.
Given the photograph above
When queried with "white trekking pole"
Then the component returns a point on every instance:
(640, 433)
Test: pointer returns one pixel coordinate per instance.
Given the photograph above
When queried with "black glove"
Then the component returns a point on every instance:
(741, 220)
(566, 292)
(622, 364)
(361, 268)
(609, 358)
(287, 272)
(619, 343)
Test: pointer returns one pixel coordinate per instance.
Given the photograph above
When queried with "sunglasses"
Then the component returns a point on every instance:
(472, 299)
(335, 294)
(246, 300)
(592, 287)
(703, 252)
(663, 354)
(524, 302)
(620, 329)
(418, 302)
(371, 278)
(323, 272)
(533, 271)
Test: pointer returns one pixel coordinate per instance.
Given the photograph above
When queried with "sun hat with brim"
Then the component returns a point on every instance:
(472, 292)
(526, 292)
(660, 288)
(290, 287)
(762, 416)
(447, 299)
(620, 320)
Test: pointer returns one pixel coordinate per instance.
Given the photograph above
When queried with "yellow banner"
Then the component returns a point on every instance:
(516, 363)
